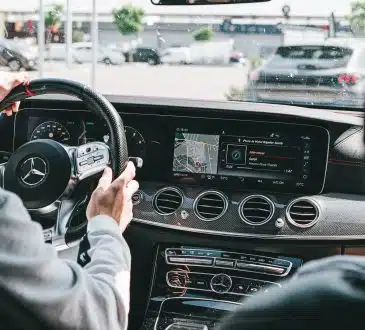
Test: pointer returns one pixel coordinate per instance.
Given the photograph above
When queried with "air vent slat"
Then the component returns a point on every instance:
(210, 205)
(167, 201)
(302, 213)
(256, 210)
(253, 217)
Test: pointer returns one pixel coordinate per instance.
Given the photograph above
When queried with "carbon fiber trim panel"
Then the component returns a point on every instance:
(342, 217)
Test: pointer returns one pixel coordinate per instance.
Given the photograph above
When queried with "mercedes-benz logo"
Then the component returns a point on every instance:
(33, 171)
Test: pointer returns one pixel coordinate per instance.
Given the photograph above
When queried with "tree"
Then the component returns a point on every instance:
(128, 20)
(53, 16)
(357, 16)
(204, 34)
(52, 20)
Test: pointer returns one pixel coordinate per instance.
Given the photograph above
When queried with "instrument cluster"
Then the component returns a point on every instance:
(72, 131)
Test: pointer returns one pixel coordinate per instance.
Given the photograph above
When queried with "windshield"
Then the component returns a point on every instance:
(295, 52)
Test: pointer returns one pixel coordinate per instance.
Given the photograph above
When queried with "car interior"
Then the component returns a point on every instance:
(234, 196)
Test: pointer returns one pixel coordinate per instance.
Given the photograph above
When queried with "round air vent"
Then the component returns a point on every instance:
(210, 205)
(168, 200)
(256, 210)
(302, 213)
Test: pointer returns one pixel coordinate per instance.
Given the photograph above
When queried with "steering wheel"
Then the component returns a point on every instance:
(45, 173)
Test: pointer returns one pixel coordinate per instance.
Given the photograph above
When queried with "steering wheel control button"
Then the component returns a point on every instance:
(221, 283)
(91, 158)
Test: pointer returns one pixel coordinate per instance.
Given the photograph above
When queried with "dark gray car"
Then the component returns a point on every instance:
(329, 73)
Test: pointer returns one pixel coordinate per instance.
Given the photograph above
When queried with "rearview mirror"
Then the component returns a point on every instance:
(201, 2)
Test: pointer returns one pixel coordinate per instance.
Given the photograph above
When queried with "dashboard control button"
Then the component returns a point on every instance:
(224, 263)
(221, 283)
(201, 284)
(240, 288)
(191, 260)
(137, 198)
(90, 161)
(252, 289)
(260, 268)
(227, 255)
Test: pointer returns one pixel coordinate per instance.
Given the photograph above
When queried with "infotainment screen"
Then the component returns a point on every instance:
(280, 159)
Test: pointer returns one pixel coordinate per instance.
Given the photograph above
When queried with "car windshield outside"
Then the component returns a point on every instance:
(293, 52)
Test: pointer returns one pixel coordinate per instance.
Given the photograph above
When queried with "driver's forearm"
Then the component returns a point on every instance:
(61, 291)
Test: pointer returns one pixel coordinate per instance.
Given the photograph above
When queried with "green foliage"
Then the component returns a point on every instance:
(204, 34)
(77, 36)
(128, 19)
(357, 16)
(53, 16)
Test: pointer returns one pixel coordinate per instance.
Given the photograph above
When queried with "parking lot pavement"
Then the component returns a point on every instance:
(195, 82)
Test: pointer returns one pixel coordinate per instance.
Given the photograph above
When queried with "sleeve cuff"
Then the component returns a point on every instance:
(104, 223)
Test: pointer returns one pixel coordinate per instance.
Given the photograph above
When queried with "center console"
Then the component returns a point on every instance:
(194, 287)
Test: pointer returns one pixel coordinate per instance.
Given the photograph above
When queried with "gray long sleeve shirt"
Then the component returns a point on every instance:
(90, 294)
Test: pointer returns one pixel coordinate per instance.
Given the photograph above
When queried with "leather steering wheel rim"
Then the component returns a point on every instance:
(94, 101)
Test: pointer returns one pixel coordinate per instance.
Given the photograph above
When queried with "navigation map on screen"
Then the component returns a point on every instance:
(196, 153)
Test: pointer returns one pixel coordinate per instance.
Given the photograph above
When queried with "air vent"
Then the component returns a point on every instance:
(256, 210)
(302, 213)
(210, 205)
(168, 200)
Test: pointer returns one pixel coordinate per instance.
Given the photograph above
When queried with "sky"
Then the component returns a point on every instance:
(299, 7)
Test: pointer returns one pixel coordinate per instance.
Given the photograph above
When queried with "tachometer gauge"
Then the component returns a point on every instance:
(135, 141)
(51, 130)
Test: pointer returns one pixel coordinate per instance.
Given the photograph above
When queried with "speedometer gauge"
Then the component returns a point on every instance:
(51, 130)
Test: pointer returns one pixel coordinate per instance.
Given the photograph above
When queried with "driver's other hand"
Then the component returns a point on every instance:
(114, 199)
(8, 81)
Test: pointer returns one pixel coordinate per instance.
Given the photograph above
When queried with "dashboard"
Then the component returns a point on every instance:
(253, 176)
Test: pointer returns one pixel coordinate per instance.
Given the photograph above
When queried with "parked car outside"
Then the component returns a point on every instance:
(145, 55)
(326, 73)
(17, 57)
(82, 53)
(176, 55)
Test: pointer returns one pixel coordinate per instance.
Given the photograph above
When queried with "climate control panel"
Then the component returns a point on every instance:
(228, 260)
(217, 283)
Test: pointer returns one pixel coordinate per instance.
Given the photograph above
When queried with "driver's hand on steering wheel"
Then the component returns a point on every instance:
(8, 81)
(114, 199)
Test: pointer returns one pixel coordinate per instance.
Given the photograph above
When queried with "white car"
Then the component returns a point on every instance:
(176, 55)
(82, 53)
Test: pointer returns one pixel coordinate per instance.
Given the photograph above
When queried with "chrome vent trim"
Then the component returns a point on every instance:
(168, 200)
(210, 205)
(256, 210)
(303, 212)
